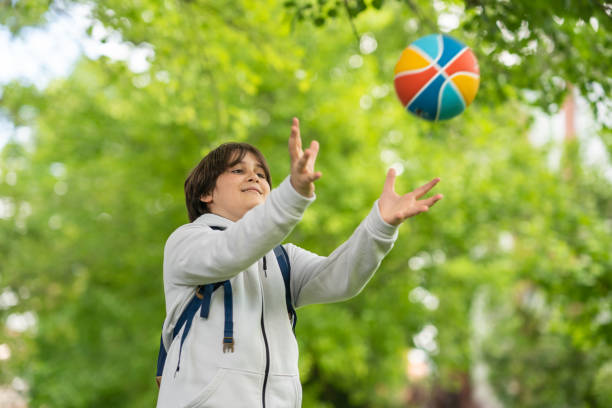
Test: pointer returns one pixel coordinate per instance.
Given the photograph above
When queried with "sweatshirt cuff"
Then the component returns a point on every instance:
(380, 227)
(291, 198)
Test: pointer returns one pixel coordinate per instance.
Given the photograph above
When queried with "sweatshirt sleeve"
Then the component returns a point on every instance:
(346, 271)
(196, 255)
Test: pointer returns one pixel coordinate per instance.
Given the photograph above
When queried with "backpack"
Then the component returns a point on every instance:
(201, 300)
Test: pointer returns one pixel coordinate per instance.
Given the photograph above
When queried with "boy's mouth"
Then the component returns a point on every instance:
(254, 189)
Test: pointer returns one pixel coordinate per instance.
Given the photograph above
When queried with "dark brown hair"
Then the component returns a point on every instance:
(203, 178)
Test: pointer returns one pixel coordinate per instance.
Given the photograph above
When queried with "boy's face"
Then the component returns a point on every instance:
(238, 189)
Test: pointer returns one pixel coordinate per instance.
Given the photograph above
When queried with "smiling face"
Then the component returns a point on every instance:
(238, 189)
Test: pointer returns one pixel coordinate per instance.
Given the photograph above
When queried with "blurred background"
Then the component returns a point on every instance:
(501, 296)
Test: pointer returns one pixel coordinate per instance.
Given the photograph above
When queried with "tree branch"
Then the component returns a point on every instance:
(348, 12)
(432, 25)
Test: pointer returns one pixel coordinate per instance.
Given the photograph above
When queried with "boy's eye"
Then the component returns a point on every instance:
(261, 175)
(237, 171)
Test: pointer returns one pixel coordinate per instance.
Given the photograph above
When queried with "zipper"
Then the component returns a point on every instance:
(263, 330)
(265, 338)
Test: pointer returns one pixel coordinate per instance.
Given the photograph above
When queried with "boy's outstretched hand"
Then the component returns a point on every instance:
(303, 175)
(394, 208)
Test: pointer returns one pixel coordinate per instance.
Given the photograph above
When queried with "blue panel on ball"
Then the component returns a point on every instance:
(429, 44)
(426, 104)
(450, 50)
(451, 103)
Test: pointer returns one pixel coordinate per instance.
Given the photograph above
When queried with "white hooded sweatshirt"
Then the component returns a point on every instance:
(262, 371)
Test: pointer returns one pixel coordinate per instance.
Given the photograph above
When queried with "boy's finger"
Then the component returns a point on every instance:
(303, 161)
(390, 181)
(421, 191)
(431, 200)
(311, 177)
(296, 128)
(314, 151)
(315, 176)
(295, 141)
(292, 151)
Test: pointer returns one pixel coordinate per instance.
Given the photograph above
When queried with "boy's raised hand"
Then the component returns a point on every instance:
(303, 175)
(394, 208)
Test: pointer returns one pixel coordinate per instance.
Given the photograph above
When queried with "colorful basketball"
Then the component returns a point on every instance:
(436, 77)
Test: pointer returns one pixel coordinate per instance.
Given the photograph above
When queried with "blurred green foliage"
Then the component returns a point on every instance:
(89, 203)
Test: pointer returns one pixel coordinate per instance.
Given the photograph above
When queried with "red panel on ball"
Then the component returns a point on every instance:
(408, 85)
(465, 62)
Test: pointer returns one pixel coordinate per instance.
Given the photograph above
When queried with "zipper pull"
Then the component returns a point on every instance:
(265, 267)
(228, 344)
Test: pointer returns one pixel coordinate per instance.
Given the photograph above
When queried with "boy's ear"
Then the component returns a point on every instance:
(206, 198)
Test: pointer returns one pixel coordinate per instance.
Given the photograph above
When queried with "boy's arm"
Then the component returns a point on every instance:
(345, 272)
(196, 255)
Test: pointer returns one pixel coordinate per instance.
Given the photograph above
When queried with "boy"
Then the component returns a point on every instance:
(248, 357)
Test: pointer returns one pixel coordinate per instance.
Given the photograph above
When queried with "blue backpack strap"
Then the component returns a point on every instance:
(285, 266)
(228, 331)
(207, 292)
(201, 300)
(161, 360)
(185, 319)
